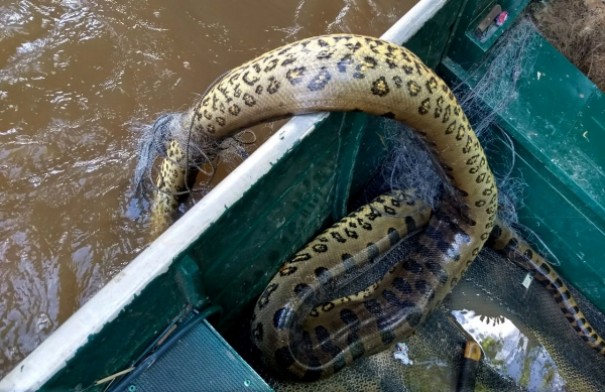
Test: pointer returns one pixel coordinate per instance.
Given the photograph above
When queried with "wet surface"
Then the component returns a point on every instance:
(75, 79)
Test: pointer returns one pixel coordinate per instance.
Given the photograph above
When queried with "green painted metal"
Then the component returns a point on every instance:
(123, 340)
(557, 123)
(557, 145)
(178, 368)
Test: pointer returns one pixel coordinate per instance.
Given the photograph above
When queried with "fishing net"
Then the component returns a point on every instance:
(527, 343)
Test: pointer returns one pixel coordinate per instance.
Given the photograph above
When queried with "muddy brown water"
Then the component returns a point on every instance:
(75, 79)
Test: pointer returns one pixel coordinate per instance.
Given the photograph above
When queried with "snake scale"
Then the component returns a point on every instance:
(296, 326)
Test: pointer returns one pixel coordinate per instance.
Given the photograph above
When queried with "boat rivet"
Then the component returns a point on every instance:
(247, 383)
(132, 388)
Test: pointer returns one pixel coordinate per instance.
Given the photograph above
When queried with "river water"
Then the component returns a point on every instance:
(76, 77)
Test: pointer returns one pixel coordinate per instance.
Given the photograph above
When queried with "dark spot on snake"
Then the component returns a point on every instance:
(373, 214)
(259, 90)
(249, 100)
(326, 343)
(301, 257)
(284, 357)
(325, 54)
(420, 67)
(345, 256)
(559, 283)
(322, 43)
(412, 266)
(528, 253)
(393, 235)
(295, 75)
(272, 64)
(345, 61)
(414, 317)
(425, 106)
(413, 88)
(380, 87)
(410, 224)
(351, 233)
(373, 251)
(469, 145)
(431, 85)
(323, 275)
(461, 132)
(320, 80)
(402, 286)
(302, 289)
(439, 107)
(341, 38)
(544, 268)
(512, 243)
(472, 160)
(233, 78)
(355, 346)
(392, 64)
(450, 128)
(353, 47)
(237, 92)
(370, 62)
(480, 178)
(220, 121)
(364, 225)
(349, 317)
(358, 74)
(257, 332)
(338, 237)
(389, 210)
(287, 271)
(248, 80)
(446, 114)
(407, 69)
(234, 110)
(320, 248)
(391, 298)
(421, 286)
(210, 128)
(289, 60)
(388, 115)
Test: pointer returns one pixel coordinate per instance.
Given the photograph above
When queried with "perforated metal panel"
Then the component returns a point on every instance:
(194, 359)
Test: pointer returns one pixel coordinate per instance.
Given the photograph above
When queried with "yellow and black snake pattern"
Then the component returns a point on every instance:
(352, 73)
(300, 324)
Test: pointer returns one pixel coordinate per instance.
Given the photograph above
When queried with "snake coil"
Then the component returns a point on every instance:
(357, 73)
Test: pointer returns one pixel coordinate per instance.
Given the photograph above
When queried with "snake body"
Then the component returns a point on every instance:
(349, 73)
(306, 330)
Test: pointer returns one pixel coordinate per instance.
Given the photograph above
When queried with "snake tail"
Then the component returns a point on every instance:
(509, 243)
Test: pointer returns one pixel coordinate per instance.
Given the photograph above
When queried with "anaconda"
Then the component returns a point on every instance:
(306, 330)
(354, 73)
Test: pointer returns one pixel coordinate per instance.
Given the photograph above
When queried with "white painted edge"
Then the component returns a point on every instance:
(51, 356)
